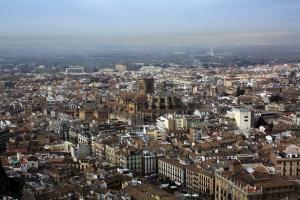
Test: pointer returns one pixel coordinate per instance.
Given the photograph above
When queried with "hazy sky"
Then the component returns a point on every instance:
(152, 21)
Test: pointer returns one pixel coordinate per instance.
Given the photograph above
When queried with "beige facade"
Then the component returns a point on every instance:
(98, 148)
(156, 135)
(225, 188)
(129, 158)
(199, 181)
(286, 164)
(229, 81)
(111, 154)
(243, 186)
(121, 67)
(280, 107)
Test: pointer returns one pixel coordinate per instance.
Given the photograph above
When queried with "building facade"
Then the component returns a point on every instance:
(200, 182)
(173, 169)
(287, 162)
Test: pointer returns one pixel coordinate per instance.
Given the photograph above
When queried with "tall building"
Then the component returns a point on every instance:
(146, 86)
(243, 117)
(149, 160)
(121, 67)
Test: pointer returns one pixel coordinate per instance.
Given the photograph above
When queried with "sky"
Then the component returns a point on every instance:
(151, 22)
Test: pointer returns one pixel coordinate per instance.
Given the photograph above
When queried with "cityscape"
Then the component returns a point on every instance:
(141, 108)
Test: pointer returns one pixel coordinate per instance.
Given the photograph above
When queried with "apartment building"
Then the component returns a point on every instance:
(131, 158)
(287, 162)
(200, 181)
(174, 169)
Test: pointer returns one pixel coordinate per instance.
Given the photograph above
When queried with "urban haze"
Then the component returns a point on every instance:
(150, 100)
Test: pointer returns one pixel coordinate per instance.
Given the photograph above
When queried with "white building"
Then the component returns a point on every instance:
(177, 122)
(173, 169)
(121, 67)
(65, 147)
(75, 70)
(242, 116)
(163, 123)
